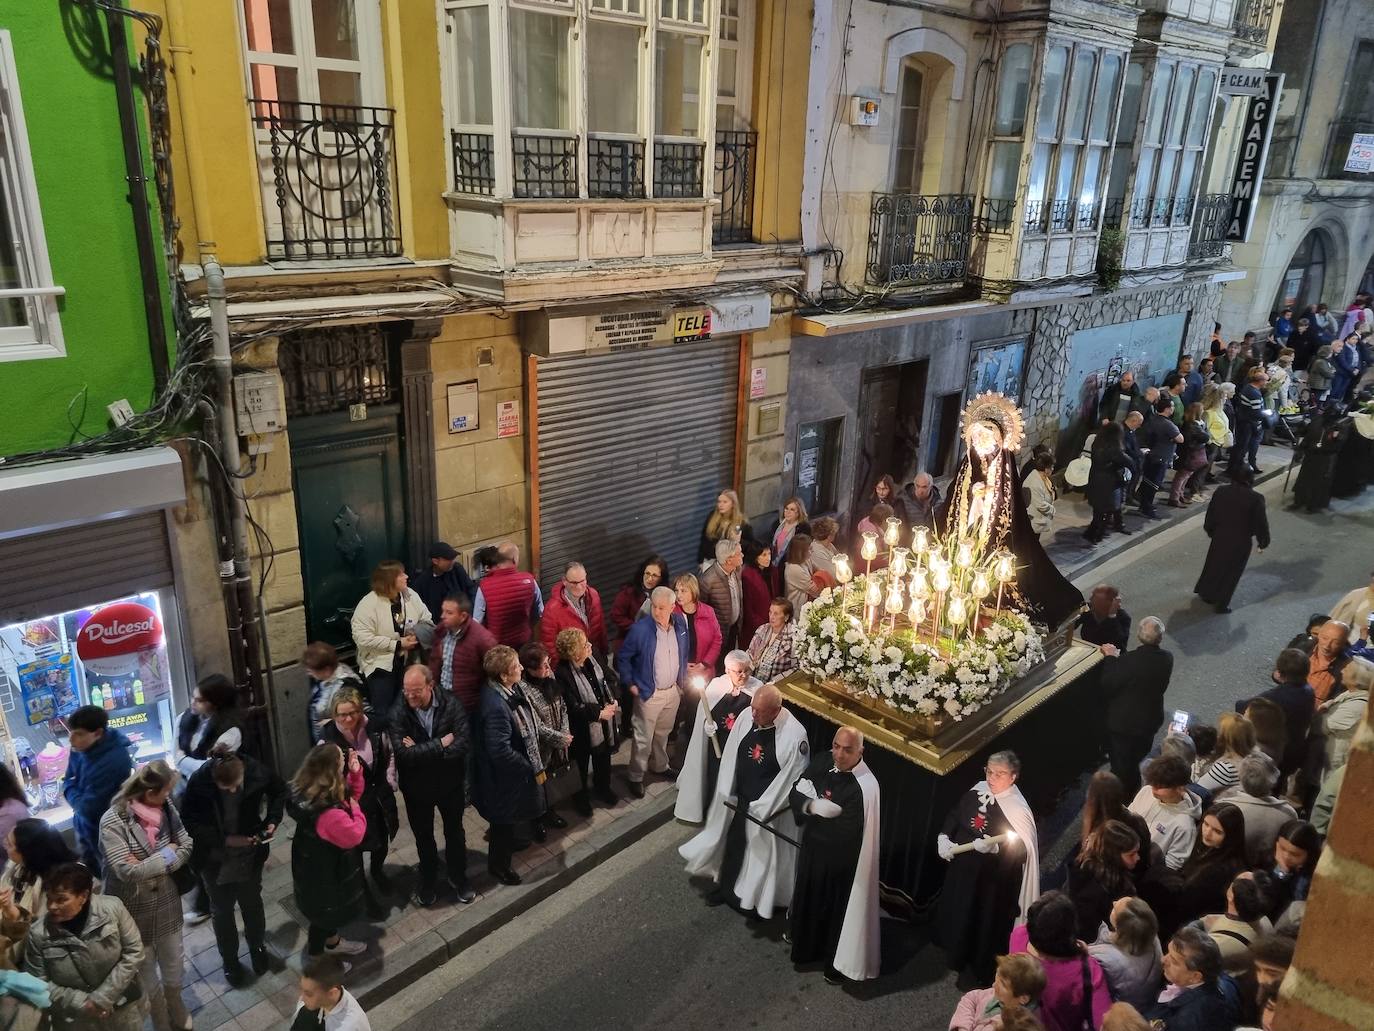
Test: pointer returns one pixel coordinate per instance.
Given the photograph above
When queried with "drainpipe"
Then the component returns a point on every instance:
(219, 499)
(149, 277)
(250, 625)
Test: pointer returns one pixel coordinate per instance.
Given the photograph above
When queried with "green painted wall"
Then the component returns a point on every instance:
(78, 164)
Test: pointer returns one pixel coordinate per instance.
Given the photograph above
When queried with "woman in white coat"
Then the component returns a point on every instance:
(392, 628)
(1040, 487)
(721, 702)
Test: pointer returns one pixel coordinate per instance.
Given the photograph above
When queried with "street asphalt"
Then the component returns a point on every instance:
(632, 945)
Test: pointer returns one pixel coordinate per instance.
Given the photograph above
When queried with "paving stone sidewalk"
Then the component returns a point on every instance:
(411, 941)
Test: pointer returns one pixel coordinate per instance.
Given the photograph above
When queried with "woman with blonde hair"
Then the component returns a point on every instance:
(704, 638)
(726, 520)
(1235, 740)
(589, 692)
(326, 867)
(355, 734)
(791, 521)
(143, 841)
(392, 628)
(798, 585)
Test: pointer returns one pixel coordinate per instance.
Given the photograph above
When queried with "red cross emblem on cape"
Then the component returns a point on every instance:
(756, 753)
(730, 721)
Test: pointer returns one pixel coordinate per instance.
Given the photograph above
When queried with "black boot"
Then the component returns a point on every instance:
(539, 833)
(552, 819)
(583, 802)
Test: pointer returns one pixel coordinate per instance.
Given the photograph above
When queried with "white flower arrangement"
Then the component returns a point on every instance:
(908, 672)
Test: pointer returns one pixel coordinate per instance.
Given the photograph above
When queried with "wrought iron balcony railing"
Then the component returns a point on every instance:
(615, 167)
(678, 168)
(1113, 212)
(735, 154)
(1211, 220)
(1338, 148)
(329, 174)
(544, 166)
(1252, 20)
(474, 170)
(995, 214)
(916, 240)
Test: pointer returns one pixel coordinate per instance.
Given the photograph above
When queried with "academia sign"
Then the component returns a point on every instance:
(1256, 128)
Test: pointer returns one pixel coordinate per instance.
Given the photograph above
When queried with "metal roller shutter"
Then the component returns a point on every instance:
(633, 449)
(72, 568)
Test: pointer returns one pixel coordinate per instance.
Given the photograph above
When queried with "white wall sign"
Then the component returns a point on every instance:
(258, 403)
(758, 382)
(1241, 82)
(462, 407)
(508, 418)
(1361, 155)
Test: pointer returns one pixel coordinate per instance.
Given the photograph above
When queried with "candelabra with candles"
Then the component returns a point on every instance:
(938, 584)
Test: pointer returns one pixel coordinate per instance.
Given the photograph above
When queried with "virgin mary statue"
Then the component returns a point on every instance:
(985, 503)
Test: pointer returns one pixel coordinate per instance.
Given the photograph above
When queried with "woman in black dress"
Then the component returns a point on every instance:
(1198, 887)
(1106, 482)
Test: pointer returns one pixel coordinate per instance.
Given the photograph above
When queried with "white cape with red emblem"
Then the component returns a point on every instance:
(770, 864)
(691, 782)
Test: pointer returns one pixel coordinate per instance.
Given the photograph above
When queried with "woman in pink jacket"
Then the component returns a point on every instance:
(326, 868)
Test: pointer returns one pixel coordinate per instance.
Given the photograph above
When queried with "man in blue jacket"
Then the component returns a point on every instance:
(653, 665)
(101, 761)
(1199, 996)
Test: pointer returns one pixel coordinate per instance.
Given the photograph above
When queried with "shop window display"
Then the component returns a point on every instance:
(120, 656)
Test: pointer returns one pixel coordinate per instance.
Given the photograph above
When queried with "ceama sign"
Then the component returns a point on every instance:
(108, 643)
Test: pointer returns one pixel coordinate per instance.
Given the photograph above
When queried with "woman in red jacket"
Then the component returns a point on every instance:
(755, 581)
(703, 628)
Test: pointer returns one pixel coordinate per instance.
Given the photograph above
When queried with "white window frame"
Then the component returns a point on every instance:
(1149, 191)
(42, 336)
(370, 66)
(743, 49)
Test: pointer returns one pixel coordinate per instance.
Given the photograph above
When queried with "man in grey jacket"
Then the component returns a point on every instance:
(721, 589)
(1264, 813)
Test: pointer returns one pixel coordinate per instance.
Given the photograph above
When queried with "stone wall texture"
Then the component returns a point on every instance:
(1055, 326)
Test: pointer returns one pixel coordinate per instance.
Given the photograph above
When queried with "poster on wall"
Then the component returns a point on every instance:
(998, 365)
(1149, 348)
(48, 689)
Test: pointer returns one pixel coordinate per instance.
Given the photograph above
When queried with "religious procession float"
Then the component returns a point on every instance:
(945, 643)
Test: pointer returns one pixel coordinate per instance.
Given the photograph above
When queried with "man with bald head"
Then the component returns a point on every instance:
(834, 915)
(748, 844)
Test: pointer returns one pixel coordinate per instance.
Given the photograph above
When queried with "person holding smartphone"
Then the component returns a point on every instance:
(231, 809)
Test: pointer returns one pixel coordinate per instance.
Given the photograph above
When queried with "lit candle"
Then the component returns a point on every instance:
(941, 580)
(898, 565)
(893, 603)
(964, 555)
(920, 585)
(873, 594)
(843, 573)
(917, 612)
(892, 531)
(869, 550)
(958, 610)
(921, 539)
(981, 587)
(1005, 568)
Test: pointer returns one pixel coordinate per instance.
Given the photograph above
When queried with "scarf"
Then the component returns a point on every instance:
(149, 818)
(362, 744)
(587, 694)
(524, 720)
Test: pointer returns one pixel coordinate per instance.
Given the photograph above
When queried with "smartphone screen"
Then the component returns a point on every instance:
(1179, 724)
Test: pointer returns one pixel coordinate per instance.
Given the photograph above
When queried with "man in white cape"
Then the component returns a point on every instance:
(753, 867)
(992, 880)
(834, 915)
(722, 702)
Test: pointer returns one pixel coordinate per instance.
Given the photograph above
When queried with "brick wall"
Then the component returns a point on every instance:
(1330, 986)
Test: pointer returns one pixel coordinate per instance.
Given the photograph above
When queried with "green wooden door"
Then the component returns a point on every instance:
(350, 508)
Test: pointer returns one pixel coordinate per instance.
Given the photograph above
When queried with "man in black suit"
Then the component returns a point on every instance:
(1133, 685)
(1158, 439)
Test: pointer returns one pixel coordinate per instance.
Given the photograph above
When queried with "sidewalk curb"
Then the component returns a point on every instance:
(431, 950)
(1097, 556)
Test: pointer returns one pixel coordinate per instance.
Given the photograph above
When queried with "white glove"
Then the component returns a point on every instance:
(944, 847)
(823, 808)
(709, 726)
(986, 846)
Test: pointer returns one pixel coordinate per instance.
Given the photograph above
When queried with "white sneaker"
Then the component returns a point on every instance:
(344, 947)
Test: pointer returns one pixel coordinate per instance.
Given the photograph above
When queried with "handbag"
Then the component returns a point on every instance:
(183, 876)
